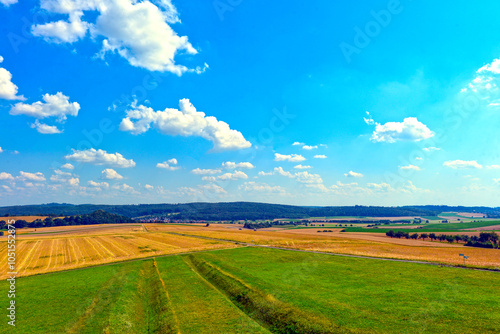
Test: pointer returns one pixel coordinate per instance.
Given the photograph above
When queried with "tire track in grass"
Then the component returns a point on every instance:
(225, 296)
(176, 329)
(277, 316)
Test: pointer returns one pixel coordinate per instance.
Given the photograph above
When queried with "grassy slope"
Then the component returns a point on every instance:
(359, 294)
(427, 228)
(366, 295)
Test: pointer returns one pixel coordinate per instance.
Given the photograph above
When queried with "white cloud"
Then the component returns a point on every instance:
(6, 176)
(101, 185)
(68, 166)
(169, 165)
(8, 90)
(291, 158)
(110, 174)
(306, 177)
(57, 105)
(297, 143)
(138, 31)
(1, 150)
(461, 164)
(320, 156)
(65, 177)
(237, 175)
(148, 187)
(261, 187)
(431, 149)
(282, 172)
(209, 178)
(353, 174)
(262, 173)
(486, 83)
(307, 147)
(125, 188)
(408, 130)
(38, 177)
(381, 187)
(418, 158)
(199, 171)
(302, 167)
(45, 129)
(233, 165)
(100, 157)
(186, 121)
(7, 3)
(409, 167)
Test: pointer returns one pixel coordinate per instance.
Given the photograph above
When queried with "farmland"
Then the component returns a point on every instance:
(235, 291)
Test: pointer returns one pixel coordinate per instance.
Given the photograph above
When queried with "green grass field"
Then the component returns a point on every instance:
(258, 290)
(426, 228)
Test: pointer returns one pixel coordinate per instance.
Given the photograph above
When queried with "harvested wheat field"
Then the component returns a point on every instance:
(363, 244)
(36, 254)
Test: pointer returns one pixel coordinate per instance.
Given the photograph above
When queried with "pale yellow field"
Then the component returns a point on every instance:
(45, 253)
(365, 244)
(61, 248)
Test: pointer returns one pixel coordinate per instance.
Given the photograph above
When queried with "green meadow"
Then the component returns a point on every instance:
(258, 290)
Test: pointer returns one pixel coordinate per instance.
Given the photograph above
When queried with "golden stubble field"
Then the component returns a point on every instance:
(364, 244)
(61, 248)
(70, 247)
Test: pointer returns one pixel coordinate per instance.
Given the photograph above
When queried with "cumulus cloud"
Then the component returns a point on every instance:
(291, 157)
(101, 185)
(7, 3)
(461, 164)
(125, 188)
(302, 167)
(408, 130)
(297, 143)
(100, 157)
(169, 165)
(409, 167)
(237, 175)
(199, 171)
(65, 177)
(68, 166)
(302, 177)
(37, 177)
(320, 156)
(45, 129)
(110, 174)
(138, 31)
(353, 174)
(431, 149)
(209, 178)
(1, 150)
(486, 83)
(233, 165)
(6, 176)
(261, 187)
(380, 187)
(308, 147)
(8, 90)
(148, 187)
(185, 121)
(57, 105)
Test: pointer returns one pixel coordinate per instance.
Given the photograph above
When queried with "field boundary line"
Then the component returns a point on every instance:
(167, 295)
(222, 293)
(340, 254)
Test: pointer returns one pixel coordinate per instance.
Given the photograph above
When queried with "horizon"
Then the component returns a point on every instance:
(378, 103)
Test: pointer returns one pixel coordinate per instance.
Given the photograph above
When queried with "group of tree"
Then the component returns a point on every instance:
(97, 217)
(485, 239)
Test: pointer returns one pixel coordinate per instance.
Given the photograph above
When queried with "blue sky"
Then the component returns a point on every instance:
(323, 103)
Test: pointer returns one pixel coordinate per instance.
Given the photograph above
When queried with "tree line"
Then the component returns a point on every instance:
(485, 239)
(97, 217)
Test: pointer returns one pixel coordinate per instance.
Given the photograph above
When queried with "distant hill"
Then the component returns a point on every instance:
(237, 210)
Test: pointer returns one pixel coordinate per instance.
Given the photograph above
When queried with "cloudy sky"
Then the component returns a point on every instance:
(313, 103)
